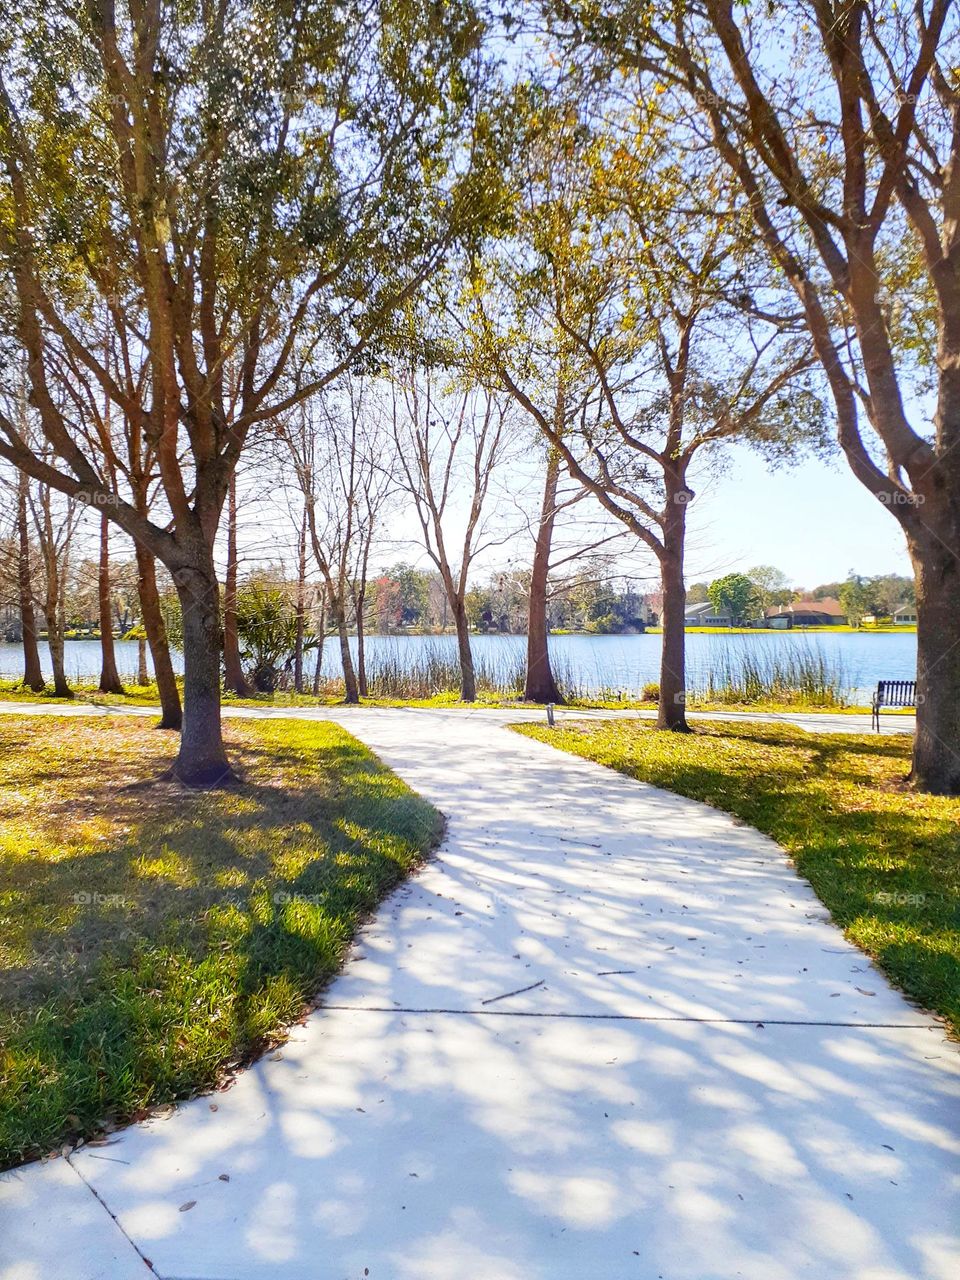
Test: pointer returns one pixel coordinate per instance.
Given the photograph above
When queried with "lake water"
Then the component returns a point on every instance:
(592, 662)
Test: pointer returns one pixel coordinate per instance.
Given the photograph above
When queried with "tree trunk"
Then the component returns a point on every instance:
(468, 679)
(109, 676)
(202, 761)
(671, 711)
(321, 636)
(171, 715)
(351, 688)
(936, 747)
(32, 673)
(143, 675)
(540, 685)
(233, 677)
(361, 651)
(52, 615)
(301, 606)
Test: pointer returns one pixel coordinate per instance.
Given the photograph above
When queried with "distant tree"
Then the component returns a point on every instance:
(892, 590)
(448, 446)
(857, 598)
(697, 593)
(401, 598)
(772, 585)
(734, 593)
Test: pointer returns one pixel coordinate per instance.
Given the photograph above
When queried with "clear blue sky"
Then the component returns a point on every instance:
(813, 521)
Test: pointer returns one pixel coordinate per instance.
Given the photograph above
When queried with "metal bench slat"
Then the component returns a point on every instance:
(893, 693)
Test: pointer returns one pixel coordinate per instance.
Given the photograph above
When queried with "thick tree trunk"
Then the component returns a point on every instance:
(32, 673)
(671, 712)
(202, 761)
(109, 676)
(171, 716)
(936, 747)
(468, 679)
(540, 685)
(233, 677)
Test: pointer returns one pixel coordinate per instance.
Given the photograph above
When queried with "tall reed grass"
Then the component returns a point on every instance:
(740, 673)
(802, 676)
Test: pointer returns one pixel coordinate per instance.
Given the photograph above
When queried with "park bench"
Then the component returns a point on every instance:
(893, 693)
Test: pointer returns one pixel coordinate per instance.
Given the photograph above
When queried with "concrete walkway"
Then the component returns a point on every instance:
(608, 1033)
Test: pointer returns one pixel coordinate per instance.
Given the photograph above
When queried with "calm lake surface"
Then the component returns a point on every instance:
(591, 662)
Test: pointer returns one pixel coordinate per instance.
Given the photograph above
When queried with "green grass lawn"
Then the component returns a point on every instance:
(151, 938)
(883, 859)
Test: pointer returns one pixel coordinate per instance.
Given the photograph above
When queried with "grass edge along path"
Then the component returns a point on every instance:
(883, 859)
(153, 939)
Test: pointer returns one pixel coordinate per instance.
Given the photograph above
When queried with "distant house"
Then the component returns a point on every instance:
(704, 615)
(807, 613)
(905, 615)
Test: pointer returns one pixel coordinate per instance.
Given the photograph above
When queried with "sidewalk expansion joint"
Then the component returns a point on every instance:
(760, 1021)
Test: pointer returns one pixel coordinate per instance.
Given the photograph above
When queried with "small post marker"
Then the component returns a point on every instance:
(550, 714)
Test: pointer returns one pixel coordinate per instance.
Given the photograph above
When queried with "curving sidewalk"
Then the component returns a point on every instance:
(607, 1033)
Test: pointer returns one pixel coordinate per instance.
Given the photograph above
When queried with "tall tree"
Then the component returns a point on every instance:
(248, 190)
(540, 684)
(838, 119)
(627, 281)
(449, 446)
(109, 676)
(337, 442)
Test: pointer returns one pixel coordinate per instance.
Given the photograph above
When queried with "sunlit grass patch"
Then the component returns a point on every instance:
(884, 859)
(151, 936)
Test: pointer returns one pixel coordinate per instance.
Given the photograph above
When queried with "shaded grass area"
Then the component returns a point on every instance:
(884, 860)
(151, 937)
